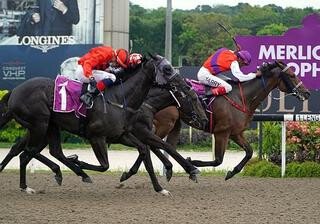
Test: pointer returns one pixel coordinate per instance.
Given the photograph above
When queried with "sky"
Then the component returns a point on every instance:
(191, 4)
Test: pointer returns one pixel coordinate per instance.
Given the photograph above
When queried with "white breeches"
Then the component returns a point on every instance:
(71, 69)
(97, 74)
(205, 77)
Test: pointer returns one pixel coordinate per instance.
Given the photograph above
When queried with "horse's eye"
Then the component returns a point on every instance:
(167, 69)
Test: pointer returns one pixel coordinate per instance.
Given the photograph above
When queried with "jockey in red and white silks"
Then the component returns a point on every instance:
(222, 61)
(97, 60)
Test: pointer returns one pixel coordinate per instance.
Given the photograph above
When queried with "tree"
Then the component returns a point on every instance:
(273, 29)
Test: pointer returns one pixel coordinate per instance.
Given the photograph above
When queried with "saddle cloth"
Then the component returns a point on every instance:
(67, 96)
(201, 89)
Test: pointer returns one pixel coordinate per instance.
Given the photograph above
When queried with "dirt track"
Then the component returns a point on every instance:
(212, 200)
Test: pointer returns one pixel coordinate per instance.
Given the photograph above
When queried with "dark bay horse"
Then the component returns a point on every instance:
(230, 121)
(111, 123)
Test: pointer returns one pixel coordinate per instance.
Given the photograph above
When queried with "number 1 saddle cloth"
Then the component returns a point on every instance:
(67, 96)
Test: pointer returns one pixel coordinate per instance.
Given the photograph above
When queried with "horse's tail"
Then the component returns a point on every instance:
(5, 115)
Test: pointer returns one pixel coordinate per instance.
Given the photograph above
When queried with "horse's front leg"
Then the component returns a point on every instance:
(243, 143)
(144, 154)
(221, 143)
(98, 145)
(156, 142)
(134, 169)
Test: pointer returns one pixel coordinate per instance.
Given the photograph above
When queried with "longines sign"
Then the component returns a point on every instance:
(298, 47)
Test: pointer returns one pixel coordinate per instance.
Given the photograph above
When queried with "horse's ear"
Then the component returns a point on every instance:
(153, 56)
(279, 63)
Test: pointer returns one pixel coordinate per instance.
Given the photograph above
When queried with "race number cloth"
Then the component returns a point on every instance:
(198, 87)
(67, 96)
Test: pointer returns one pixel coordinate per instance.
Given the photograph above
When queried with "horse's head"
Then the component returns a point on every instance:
(286, 79)
(168, 77)
(187, 101)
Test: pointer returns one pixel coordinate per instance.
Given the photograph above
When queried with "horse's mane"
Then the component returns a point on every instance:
(266, 67)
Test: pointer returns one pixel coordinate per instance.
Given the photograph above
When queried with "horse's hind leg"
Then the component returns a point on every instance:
(19, 146)
(56, 151)
(243, 143)
(25, 158)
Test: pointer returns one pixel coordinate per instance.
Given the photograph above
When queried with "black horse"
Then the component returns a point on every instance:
(230, 119)
(113, 123)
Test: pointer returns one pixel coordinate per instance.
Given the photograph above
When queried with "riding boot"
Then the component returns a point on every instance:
(88, 97)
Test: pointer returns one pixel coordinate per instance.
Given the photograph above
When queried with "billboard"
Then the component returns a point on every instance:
(298, 48)
(36, 36)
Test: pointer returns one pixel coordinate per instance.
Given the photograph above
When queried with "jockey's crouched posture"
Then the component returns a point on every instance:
(94, 70)
(228, 63)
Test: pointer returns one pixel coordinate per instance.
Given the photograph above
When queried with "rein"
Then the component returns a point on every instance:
(122, 106)
(153, 110)
(242, 108)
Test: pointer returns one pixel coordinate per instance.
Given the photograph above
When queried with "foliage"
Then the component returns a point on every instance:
(2, 93)
(195, 33)
(271, 143)
(199, 138)
(267, 169)
(304, 140)
(306, 169)
(262, 169)
(273, 29)
(12, 132)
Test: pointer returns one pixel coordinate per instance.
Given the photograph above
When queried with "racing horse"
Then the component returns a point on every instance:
(112, 123)
(231, 115)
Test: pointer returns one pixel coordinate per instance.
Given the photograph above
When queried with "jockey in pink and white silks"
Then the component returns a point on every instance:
(228, 63)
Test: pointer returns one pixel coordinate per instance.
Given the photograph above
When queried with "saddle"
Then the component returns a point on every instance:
(201, 90)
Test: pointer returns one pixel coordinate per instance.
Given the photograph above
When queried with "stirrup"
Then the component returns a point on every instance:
(87, 100)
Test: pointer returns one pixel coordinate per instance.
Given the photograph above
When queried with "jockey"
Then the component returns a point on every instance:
(226, 63)
(93, 70)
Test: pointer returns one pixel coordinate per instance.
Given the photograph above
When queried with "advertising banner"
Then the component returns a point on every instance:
(36, 36)
(298, 48)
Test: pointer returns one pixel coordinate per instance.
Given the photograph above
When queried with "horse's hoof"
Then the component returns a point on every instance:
(58, 179)
(124, 176)
(166, 193)
(87, 180)
(28, 190)
(73, 158)
(1, 168)
(169, 174)
(229, 175)
(121, 185)
(193, 175)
